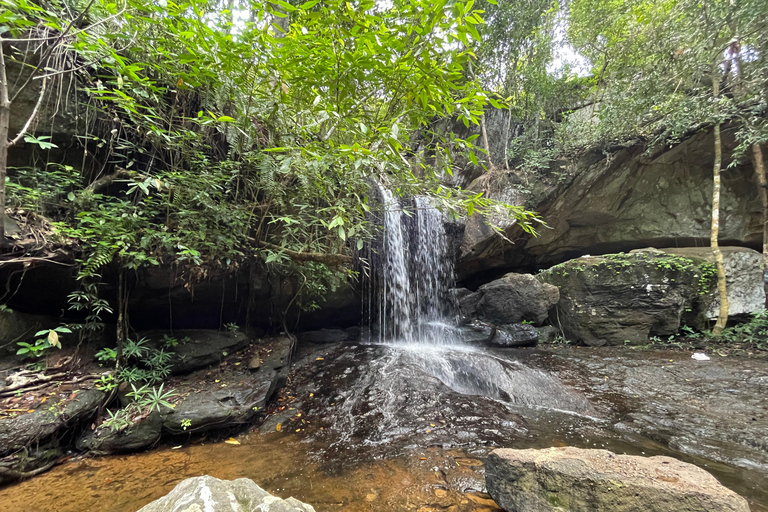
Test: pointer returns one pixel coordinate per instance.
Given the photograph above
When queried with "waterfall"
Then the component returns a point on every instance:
(408, 294)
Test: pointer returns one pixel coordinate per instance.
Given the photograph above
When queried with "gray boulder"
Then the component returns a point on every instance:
(43, 424)
(209, 494)
(548, 334)
(744, 279)
(516, 297)
(516, 335)
(620, 298)
(577, 480)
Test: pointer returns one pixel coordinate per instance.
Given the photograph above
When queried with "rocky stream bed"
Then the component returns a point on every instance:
(372, 427)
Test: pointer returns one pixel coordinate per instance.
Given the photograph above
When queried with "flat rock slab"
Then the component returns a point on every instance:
(209, 494)
(578, 480)
(202, 347)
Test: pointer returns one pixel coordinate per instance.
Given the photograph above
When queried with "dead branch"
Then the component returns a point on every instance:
(43, 379)
(107, 180)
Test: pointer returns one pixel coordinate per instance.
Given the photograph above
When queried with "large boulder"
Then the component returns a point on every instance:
(577, 480)
(209, 494)
(744, 279)
(143, 433)
(626, 298)
(516, 297)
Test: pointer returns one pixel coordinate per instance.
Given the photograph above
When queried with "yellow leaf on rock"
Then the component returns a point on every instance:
(277, 428)
(232, 440)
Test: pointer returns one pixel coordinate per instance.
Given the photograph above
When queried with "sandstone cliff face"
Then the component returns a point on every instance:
(622, 202)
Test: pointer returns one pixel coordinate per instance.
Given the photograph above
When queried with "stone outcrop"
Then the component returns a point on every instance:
(615, 299)
(577, 480)
(744, 279)
(32, 442)
(209, 494)
(621, 201)
(199, 348)
(514, 298)
(627, 298)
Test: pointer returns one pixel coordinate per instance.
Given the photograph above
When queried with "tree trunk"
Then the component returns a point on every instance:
(5, 117)
(483, 131)
(722, 317)
(759, 164)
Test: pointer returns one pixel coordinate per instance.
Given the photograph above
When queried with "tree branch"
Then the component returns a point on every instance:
(331, 260)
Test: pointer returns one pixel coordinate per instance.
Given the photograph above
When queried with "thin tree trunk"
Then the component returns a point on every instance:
(762, 190)
(722, 318)
(483, 131)
(5, 117)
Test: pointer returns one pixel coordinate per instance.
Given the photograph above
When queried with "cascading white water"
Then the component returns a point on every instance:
(412, 274)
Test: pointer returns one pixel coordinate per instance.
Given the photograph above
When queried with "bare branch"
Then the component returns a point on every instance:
(32, 116)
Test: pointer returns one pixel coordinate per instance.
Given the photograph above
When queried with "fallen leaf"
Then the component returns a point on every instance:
(277, 428)
(232, 440)
(431, 424)
(31, 410)
(175, 447)
(422, 458)
(319, 359)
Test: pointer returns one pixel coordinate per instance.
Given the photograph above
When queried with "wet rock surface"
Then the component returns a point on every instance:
(516, 335)
(206, 493)
(516, 297)
(325, 336)
(581, 480)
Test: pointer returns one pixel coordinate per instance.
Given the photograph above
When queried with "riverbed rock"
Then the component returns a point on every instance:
(142, 434)
(45, 423)
(579, 480)
(516, 297)
(625, 298)
(516, 335)
(209, 494)
(207, 410)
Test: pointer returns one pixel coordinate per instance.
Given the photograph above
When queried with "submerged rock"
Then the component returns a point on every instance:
(516, 297)
(580, 480)
(209, 494)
